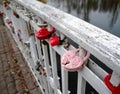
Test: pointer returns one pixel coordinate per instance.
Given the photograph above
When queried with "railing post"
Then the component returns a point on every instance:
(64, 74)
(81, 85)
(54, 69)
(16, 24)
(24, 33)
(47, 66)
(115, 79)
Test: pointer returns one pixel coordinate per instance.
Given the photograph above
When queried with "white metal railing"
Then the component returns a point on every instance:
(28, 16)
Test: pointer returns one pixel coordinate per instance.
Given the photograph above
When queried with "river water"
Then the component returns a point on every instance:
(104, 14)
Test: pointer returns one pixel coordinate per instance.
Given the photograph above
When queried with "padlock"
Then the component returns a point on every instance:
(55, 41)
(19, 31)
(44, 72)
(66, 45)
(2, 14)
(19, 35)
(113, 89)
(44, 33)
(5, 4)
(15, 14)
(9, 22)
(39, 68)
(12, 29)
(72, 62)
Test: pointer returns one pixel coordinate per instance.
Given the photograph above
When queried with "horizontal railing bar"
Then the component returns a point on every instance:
(97, 70)
(96, 41)
(94, 81)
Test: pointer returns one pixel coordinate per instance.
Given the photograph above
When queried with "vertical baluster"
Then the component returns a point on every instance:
(81, 85)
(64, 75)
(33, 49)
(16, 23)
(41, 78)
(24, 33)
(64, 80)
(54, 69)
(115, 79)
(8, 16)
(47, 62)
(38, 44)
(47, 66)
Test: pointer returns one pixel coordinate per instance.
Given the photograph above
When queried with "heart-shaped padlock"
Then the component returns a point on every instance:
(72, 62)
(2, 14)
(55, 41)
(44, 33)
(9, 22)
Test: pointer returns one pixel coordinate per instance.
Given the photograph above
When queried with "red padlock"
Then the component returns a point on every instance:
(55, 41)
(5, 3)
(2, 14)
(9, 22)
(44, 33)
(114, 90)
(19, 31)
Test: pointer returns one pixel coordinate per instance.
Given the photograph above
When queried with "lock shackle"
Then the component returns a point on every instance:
(87, 54)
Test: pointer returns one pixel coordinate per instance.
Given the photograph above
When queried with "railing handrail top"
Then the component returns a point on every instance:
(98, 42)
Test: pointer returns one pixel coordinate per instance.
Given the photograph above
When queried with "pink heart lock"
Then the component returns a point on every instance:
(54, 41)
(72, 62)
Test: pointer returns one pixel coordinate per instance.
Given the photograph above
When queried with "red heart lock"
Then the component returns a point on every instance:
(2, 14)
(54, 41)
(9, 22)
(44, 33)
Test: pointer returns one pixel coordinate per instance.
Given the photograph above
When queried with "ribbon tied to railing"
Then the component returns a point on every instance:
(72, 62)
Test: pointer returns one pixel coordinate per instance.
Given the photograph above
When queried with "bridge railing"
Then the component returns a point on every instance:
(28, 17)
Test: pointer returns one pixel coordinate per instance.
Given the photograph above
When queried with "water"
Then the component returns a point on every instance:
(104, 14)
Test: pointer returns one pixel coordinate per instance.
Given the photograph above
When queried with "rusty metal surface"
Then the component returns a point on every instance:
(15, 75)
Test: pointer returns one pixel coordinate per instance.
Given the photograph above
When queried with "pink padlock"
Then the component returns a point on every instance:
(72, 62)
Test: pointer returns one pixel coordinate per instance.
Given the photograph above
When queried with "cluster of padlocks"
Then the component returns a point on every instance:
(70, 61)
